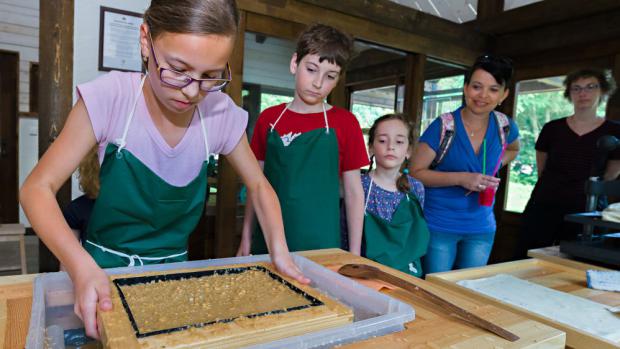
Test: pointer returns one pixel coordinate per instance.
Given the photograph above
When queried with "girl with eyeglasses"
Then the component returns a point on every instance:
(155, 133)
(566, 156)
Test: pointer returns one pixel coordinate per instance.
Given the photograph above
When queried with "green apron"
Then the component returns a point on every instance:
(401, 242)
(305, 176)
(139, 216)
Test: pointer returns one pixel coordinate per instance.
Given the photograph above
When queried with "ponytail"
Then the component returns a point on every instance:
(402, 183)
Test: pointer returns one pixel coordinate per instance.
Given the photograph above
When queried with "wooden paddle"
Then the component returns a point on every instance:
(363, 271)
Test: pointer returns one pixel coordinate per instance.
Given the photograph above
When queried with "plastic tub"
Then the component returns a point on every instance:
(375, 314)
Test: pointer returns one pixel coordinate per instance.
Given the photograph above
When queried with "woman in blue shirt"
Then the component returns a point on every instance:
(462, 230)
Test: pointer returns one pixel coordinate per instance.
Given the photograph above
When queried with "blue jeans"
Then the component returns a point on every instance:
(448, 251)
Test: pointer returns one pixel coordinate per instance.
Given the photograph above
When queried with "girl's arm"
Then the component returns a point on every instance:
(354, 205)
(267, 207)
(422, 158)
(612, 170)
(38, 198)
(248, 224)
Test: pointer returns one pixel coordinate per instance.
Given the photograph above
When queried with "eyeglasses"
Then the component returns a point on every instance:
(588, 88)
(180, 80)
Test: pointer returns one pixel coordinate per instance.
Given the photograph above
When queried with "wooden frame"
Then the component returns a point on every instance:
(102, 35)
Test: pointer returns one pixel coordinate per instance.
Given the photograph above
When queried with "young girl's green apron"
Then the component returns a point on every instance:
(401, 242)
(137, 215)
(304, 174)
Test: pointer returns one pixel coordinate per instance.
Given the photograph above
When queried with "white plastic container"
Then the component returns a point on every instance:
(375, 314)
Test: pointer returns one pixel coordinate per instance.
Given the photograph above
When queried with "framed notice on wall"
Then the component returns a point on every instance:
(119, 40)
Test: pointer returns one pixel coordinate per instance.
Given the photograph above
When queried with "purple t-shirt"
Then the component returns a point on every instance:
(109, 99)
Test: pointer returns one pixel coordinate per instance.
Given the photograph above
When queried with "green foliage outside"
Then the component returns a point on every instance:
(367, 114)
(269, 100)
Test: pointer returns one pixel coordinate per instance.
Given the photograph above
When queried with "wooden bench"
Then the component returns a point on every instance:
(15, 233)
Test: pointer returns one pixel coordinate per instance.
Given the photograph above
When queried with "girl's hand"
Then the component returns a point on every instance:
(478, 181)
(285, 265)
(92, 294)
(244, 248)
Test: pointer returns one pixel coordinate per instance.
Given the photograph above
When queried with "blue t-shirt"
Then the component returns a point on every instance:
(449, 209)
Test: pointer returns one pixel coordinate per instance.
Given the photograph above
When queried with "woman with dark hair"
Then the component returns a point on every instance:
(566, 156)
(457, 159)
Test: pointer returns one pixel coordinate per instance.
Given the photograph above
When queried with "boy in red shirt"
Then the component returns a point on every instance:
(307, 148)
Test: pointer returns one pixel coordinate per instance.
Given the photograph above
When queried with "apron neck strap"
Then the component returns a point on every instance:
(368, 195)
(121, 142)
(273, 126)
(204, 133)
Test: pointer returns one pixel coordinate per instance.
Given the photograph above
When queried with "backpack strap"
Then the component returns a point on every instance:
(503, 123)
(445, 138)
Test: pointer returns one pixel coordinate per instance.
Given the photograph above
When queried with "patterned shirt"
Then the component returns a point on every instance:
(383, 203)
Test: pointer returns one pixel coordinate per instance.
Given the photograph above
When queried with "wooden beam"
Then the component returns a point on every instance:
(227, 182)
(414, 90)
(377, 72)
(489, 9)
(55, 90)
(576, 32)
(392, 14)
(304, 13)
(545, 68)
(338, 96)
(541, 13)
(272, 26)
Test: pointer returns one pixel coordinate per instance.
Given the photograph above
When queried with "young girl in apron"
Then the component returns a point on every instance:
(155, 134)
(395, 232)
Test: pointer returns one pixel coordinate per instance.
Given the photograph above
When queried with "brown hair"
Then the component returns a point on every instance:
(603, 82)
(88, 174)
(192, 17)
(327, 42)
(402, 183)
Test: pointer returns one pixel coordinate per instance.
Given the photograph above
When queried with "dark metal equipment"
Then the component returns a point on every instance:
(600, 240)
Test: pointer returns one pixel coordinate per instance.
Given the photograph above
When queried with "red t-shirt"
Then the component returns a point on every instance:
(352, 153)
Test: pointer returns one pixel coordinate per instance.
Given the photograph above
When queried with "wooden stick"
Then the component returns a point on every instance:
(369, 272)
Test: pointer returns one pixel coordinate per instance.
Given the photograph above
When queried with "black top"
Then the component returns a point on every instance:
(77, 214)
(571, 160)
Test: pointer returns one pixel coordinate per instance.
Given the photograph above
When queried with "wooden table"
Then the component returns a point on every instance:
(553, 254)
(561, 275)
(432, 328)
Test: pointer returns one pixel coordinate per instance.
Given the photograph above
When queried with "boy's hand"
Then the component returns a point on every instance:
(285, 265)
(92, 293)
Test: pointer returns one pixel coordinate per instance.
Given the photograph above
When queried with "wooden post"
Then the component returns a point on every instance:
(613, 104)
(414, 90)
(339, 97)
(55, 89)
(489, 8)
(225, 239)
(507, 107)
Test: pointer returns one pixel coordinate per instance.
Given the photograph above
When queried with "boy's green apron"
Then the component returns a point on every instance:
(137, 215)
(401, 242)
(304, 174)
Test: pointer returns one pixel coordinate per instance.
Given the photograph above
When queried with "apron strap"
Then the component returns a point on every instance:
(273, 126)
(204, 133)
(121, 142)
(368, 196)
(132, 258)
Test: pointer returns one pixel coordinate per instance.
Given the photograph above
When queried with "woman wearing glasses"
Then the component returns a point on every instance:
(457, 159)
(566, 156)
(155, 133)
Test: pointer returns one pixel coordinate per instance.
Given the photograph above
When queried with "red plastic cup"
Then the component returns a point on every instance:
(485, 197)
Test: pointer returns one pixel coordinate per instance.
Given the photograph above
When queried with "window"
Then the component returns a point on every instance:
(537, 102)
(441, 96)
(369, 105)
